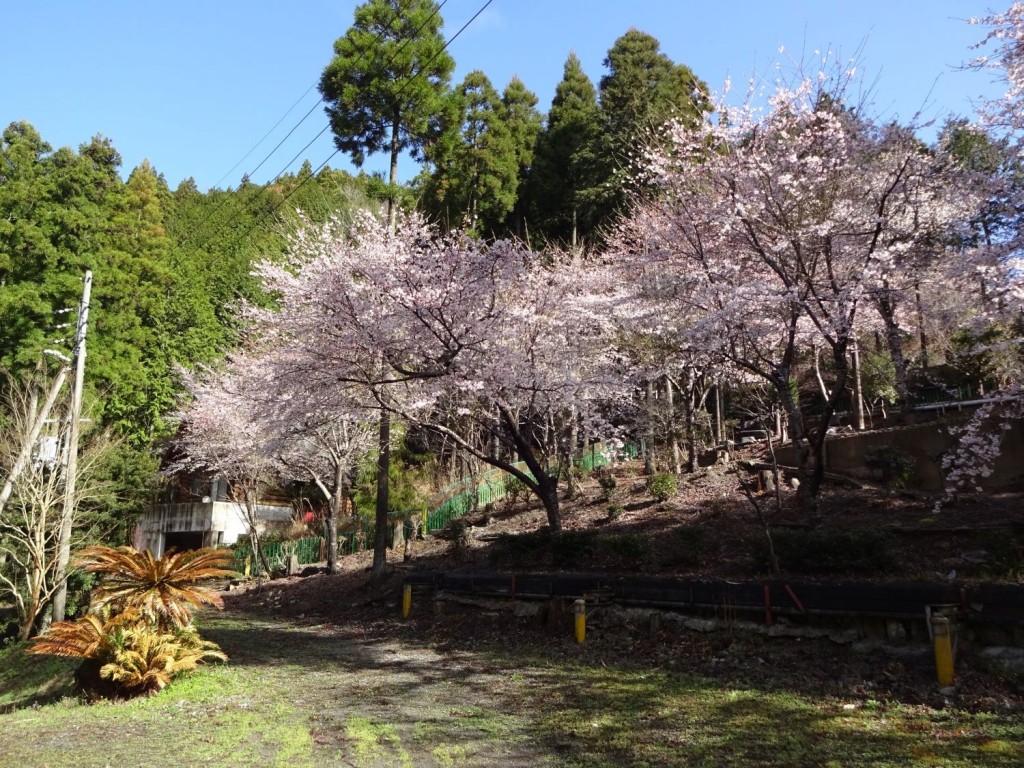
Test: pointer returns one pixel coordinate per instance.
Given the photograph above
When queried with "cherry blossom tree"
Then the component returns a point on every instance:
(993, 271)
(221, 434)
(318, 436)
(484, 343)
(771, 229)
(1003, 53)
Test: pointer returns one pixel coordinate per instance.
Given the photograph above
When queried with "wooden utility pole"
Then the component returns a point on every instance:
(71, 469)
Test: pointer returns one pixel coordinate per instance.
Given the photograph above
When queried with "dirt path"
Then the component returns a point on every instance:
(355, 686)
(377, 701)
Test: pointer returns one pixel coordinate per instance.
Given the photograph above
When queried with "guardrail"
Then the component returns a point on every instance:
(998, 604)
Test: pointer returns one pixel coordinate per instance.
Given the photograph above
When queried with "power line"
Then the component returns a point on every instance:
(272, 129)
(412, 77)
(362, 53)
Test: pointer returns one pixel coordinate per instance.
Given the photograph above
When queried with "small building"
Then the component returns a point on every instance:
(194, 511)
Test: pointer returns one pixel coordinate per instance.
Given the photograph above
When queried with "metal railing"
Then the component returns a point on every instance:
(463, 497)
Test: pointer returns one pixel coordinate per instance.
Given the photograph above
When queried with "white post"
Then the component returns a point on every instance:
(71, 470)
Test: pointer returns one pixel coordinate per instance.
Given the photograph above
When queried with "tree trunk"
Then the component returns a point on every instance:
(34, 604)
(548, 493)
(673, 436)
(719, 432)
(825, 394)
(894, 340)
(393, 175)
(380, 539)
(920, 327)
(817, 474)
(858, 390)
(254, 535)
(787, 396)
(649, 442)
(333, 515)
(37, 420)
(543, 484)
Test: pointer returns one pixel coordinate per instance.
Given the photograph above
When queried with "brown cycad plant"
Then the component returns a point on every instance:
(138, 634)
(163, 589)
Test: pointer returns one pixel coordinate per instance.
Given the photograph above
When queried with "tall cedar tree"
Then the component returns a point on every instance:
(387, 84)
(387, 89)
(474, 186)
(642, 89)
(524, 123)
(564, 179)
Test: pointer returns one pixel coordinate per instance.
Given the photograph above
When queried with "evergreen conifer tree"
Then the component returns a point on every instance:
(564, 180)
(386, 87)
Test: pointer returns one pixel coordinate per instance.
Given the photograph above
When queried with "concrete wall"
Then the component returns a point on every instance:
(924, 444)
(224, 517)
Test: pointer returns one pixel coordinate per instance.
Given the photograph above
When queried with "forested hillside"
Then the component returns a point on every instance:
(639, 260)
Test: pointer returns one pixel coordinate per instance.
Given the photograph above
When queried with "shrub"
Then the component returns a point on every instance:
(894, 467)
(461, 533)
(1006, 556)
(124, 655)
(688, 544)
(629, 548)
(823, 551)
(574, 478)
(662, 486)
(515, 490)
(163, 589)
(138, 635)
(606, 480)
(522, 548)
(571, 549)
(614, 511)
(145, 661)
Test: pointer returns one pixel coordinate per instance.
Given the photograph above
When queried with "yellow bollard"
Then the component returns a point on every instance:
(579, 608)
(406, 600)
(943, 650)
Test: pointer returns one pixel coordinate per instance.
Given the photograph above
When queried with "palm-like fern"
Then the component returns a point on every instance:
(126, 652)
(163, 588)
(145, 661)
(81, 639)
(86, 638)
(150, 637)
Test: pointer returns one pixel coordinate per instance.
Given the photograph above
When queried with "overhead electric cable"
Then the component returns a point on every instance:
(412, 77)
(198, 228)
(267, 134)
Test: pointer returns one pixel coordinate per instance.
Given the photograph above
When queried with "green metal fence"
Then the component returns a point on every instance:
(471, 494)
(460, 498)
(277, 553)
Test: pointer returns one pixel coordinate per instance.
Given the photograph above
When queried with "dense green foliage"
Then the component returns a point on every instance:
(386, 88)
(477, 177)
(169, 268)
(565, 180)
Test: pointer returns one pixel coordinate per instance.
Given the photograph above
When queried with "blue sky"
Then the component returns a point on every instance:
(194, 85)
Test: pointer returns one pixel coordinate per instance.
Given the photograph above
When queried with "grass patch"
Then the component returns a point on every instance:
(653, 718)
(376, 743)
(322, 696)
(26, 680)
(214, 716)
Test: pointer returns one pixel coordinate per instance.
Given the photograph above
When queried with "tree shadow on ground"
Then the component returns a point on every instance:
(490, 681)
